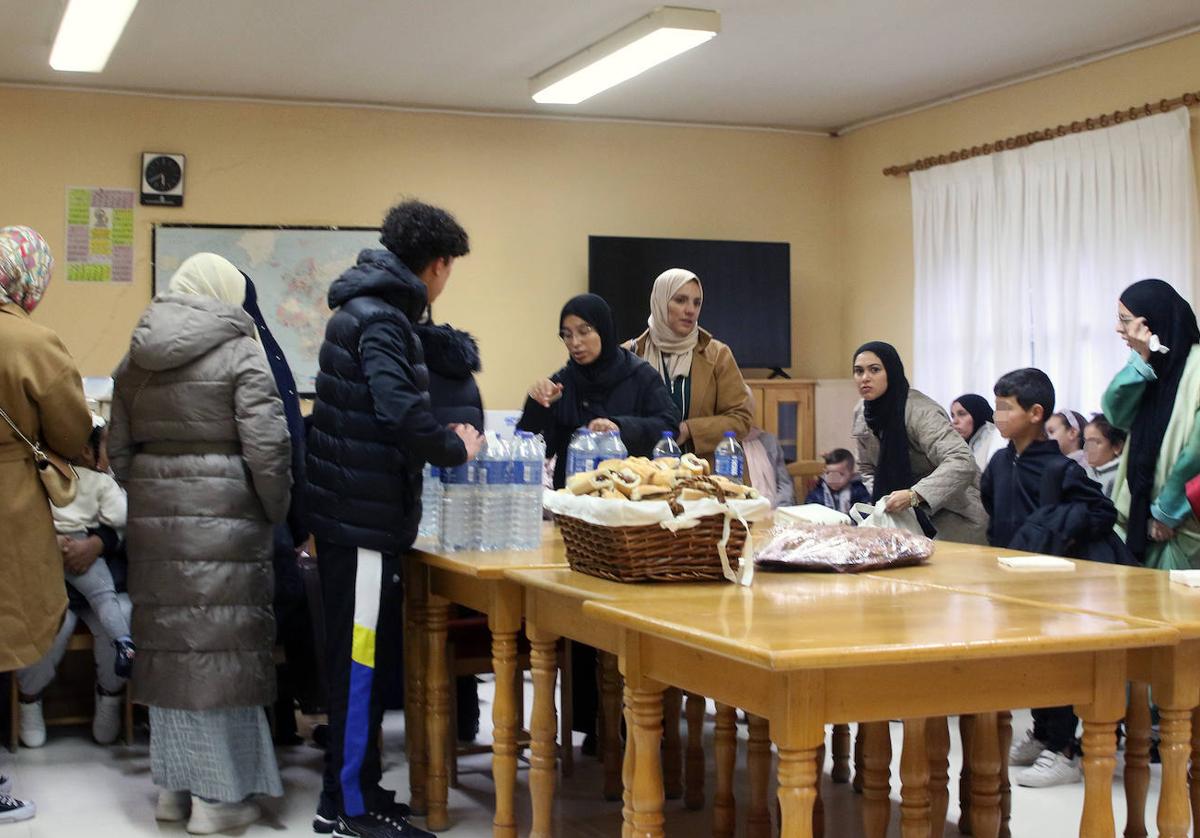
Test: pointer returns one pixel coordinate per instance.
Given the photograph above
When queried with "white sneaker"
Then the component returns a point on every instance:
(1051, 769)
(208, 818)
(33, 724)
(172, 806)
(106, 723)
(1025, 753)
(13, 810)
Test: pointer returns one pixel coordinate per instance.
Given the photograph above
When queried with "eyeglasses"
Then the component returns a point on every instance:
(585, 331)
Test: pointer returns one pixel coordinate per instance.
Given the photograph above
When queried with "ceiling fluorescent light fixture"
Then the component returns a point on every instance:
(661, 35)
(88, 32)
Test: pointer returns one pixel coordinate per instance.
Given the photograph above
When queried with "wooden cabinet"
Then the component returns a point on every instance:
(786, 407)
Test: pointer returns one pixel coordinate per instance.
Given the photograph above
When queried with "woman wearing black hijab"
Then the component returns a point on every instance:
(603, 387)
(907, 445)
(971, 416)
(1156, 397)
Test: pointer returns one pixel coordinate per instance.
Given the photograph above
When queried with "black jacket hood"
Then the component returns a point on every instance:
(379, 273)
(448, 351)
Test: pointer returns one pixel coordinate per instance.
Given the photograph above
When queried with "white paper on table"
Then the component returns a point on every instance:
(1035, 563)
(1191, 578)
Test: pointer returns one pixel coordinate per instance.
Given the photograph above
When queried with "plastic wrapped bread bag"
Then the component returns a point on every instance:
(834, 548)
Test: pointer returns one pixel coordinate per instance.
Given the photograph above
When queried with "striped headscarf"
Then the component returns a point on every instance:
(25, 264)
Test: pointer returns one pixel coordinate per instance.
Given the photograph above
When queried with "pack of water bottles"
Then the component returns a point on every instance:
(590, 448)
(492, 503)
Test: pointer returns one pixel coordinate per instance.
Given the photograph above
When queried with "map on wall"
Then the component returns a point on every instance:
(292, 268)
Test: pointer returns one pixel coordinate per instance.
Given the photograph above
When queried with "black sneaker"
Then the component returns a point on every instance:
(125, 654)
(326, 817)
(13, 810)
(378, 825)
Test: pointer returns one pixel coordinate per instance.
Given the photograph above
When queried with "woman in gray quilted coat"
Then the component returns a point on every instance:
(200, 443)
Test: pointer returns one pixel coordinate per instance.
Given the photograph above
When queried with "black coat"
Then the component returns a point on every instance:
(453, 359)
(373, 427)
(639, 404)
(1072, 517)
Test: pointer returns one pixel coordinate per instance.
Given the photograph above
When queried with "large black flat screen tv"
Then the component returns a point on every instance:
(747, 289)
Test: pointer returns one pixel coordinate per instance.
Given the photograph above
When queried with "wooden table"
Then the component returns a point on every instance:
(801, 650)
(477, 580)
(1134, 594)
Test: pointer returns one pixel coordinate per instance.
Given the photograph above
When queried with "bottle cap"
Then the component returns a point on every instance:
(730, 433)
(668, 435)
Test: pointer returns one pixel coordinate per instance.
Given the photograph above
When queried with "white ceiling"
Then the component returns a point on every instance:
(817, 64)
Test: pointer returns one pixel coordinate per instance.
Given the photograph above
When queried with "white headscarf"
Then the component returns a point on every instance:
(210, 275)
(665, 349)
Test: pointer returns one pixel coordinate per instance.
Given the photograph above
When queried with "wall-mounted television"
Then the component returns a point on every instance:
(747, 289)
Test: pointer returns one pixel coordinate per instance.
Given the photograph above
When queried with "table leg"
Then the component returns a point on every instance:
(841, 754)
(797, 791)
(1099, 763)
(758, 760)
(1194, 774)
(725, 747)
(966, 724)
(1175, 731)
(672, 744)
(877, 777)
(693, 797)
(628, 767)
(937, 744)
(859, 767)
(646, 699)
(438, 721)
(1137, 759)
(544, 730)
(985, 776)
(610, 706)
(504, 736)
(1004, 718)
(818, 826)
(914, 781)
(415, 684)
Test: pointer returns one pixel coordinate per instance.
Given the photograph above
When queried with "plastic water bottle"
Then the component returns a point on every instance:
(731, 458)
(493, 477)
(529, 457)
(431, 503)
(582, 453)
(667, 447)
(611, 447)
(460, 518)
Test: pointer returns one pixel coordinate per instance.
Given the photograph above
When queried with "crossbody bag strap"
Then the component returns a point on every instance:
(37, 450)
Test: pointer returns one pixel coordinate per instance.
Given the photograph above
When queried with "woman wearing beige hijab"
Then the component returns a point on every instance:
(199, 439)
(700, 371)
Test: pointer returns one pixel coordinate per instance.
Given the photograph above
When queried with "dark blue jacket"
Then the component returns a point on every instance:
(453, 359)
(373, 428)
(823, 495)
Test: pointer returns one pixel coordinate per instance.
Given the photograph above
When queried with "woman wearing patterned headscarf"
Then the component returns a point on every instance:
(41, 392)
(200, 440)
(700, 371)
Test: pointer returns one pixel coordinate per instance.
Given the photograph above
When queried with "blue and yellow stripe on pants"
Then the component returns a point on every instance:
(362, 678)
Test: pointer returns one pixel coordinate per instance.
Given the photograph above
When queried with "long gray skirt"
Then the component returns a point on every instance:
(223, 755)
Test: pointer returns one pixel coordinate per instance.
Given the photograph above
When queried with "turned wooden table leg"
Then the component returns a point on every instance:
(797, 791)
(937, 745)
(966, 724)
(610, 706)
(1194, 773)
(914, 781)
(841, 754)
(672, 745)
(415, 685)
(438, 710)
(693, 795)
(818, 826)
(758, 760)
(1137, 759)
(543, 732)
(628, 766)
(504, 736)
(646, 698)
(877, 777)
(1004, 719)
(725, 750)
(1099, 763)
(985, 776)
(1175, 731)
(859, 767)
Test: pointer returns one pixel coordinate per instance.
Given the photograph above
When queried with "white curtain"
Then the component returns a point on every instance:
(1020, 257)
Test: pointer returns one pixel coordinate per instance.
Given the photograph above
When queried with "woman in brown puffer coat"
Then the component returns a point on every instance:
(200, 442)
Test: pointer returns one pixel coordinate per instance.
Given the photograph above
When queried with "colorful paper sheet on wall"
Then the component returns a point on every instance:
(99, 234)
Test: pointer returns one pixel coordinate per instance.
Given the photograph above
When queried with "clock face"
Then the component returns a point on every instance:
(163, 174)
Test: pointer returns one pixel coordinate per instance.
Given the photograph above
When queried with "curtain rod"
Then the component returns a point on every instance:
(1104, 120)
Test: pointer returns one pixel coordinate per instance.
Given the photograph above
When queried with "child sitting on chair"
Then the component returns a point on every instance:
(840, 487)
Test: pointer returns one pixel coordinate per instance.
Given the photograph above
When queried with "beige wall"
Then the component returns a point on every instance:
(875, 226)
(528, 191)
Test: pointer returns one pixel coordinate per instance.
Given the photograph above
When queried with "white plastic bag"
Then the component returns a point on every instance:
(866, 515)
(812, 513)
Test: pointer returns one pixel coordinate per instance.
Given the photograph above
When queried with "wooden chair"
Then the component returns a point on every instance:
(804, 474)
(81, 641)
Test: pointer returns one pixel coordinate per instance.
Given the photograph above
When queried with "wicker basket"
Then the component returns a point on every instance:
(651, 553)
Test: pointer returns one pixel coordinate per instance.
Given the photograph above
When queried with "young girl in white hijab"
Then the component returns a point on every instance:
(700, 371)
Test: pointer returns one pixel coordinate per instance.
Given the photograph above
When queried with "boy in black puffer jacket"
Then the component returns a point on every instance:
(373, 431)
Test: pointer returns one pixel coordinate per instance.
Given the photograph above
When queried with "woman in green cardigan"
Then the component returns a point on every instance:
(1156, 397)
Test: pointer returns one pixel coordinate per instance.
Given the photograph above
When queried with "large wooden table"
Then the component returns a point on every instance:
(1173, 672)
(802, 650)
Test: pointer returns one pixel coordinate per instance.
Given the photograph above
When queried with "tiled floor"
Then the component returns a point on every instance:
(82, 789)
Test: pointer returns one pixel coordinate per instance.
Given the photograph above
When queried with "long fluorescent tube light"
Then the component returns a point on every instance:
(661, 35)
(88, 32)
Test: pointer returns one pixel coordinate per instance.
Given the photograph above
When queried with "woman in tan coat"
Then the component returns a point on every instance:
(700, 371)
(41, 392)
